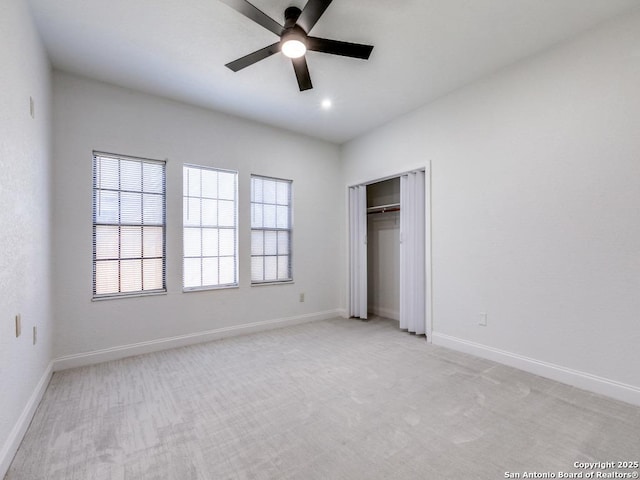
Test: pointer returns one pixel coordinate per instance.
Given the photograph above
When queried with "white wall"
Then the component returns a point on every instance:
(24, 224)
(90, 115)
(535, 200)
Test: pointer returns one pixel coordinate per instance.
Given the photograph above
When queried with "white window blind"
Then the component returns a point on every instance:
(128, 225)
(271, 228)
(210, 228)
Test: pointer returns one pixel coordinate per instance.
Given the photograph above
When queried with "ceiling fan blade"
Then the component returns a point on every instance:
(258, 16)
(302, 73)
(336, 47)
(254, 57)
(311, 13)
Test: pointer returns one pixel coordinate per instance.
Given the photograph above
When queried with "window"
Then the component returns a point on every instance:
(210, 228)
(128, 225)
(271, 222)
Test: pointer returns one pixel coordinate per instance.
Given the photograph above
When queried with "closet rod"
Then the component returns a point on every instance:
(392, 207)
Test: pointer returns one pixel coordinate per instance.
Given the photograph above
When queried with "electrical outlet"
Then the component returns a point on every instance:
(483, 319)
(18, 325)
(32, 107)
(35, 334)
(302, 297)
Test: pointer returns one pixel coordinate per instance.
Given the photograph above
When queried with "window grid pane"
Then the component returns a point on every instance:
(210, 228)
(128, 225)
(271, 228)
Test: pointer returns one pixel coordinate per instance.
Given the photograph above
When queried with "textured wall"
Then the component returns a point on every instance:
(91, 115)
(24, 219)
(535, 194)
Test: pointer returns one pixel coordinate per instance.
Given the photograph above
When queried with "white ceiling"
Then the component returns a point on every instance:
(423, 49)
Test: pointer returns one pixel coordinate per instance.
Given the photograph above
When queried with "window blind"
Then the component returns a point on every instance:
(210, 228)
(271, 230)
(128, 225)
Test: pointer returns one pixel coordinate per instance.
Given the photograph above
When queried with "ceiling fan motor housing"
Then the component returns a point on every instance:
(291, 15)
(291, 31)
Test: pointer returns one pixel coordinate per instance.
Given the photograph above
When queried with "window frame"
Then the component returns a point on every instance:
(95, 183)
(235, 228)
(255, 283)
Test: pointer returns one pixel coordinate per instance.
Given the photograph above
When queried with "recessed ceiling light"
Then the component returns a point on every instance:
(326, 104)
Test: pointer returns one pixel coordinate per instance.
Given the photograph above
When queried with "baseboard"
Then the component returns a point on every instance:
(116, 353)
(10, 447)
(342, 312)
(384, 312)
(586, 381)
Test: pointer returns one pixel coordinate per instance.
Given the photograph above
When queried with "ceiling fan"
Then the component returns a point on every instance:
(294, 38)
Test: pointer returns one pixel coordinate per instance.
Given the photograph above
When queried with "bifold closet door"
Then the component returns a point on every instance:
(358, 251)
(412, 252)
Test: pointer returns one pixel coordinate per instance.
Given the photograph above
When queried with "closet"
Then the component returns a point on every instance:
(388, 250)
(383, 248)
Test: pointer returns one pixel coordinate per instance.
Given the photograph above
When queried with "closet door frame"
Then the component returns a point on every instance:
(427, 240)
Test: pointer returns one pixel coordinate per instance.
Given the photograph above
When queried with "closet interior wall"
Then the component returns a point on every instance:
(383, 248)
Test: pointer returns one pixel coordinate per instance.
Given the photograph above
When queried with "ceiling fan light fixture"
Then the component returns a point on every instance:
(294, 39)
(293, 45)
(294, 48)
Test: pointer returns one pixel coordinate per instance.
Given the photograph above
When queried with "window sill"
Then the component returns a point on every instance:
(261, 284)
(208, 289)
(132, 295)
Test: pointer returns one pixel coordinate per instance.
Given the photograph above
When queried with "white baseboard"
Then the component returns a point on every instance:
(116, 353)
(10, 447)
(586, 381)
(384, 312)
(342, 312)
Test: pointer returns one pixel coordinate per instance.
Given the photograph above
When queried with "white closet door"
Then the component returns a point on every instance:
(412, 252)
(358, 251)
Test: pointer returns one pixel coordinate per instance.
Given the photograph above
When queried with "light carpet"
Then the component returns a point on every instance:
(335, 399)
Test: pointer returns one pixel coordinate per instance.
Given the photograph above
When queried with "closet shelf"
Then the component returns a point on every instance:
(391, 207)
